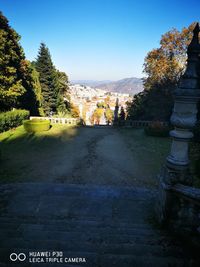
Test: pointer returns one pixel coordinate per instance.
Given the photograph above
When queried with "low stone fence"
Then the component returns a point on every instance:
(68, 121)
(139, 124)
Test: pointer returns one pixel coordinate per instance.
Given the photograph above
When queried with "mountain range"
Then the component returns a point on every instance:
(130, 86)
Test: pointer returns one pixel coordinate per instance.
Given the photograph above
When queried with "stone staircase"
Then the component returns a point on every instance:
(108, 226)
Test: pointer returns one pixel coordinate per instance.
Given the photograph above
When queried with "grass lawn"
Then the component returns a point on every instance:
(21, 151)
(152, 151)
(149, 151)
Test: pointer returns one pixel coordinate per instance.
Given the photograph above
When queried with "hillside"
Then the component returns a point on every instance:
(92, 83)
(128, 85)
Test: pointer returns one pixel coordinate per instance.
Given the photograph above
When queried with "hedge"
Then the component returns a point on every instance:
(157, 129)
(12, 119)
(34, 126)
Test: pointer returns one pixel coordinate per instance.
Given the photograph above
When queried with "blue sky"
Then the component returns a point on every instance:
(97, 39)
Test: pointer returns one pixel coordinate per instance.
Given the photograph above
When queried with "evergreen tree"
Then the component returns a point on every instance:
(37, 89)
(116, 111)
(122, 114)
(48, 80)
(32, 98)
(14, 71)
(63, 105)
(11, 55)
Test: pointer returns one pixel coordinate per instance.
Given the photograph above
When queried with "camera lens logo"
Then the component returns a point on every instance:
(19, 257)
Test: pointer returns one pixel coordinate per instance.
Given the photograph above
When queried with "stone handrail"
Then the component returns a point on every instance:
(69, 121)
(190, 192)
(181, 210)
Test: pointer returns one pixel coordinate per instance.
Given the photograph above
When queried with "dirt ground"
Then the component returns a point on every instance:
(103, 155)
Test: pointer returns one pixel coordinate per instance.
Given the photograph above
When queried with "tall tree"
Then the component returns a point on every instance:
(122, 114)
(48, 80)
(109, 114)
(98, 113)
(163, 67)
(63, 104)
(32, 98)
(116, 111)
(14, 71)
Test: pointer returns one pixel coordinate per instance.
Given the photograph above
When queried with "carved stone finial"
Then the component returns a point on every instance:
(196, 28)
(195, 39)
(190, 78)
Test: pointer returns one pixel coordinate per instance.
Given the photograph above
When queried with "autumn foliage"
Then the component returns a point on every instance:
(163, 68)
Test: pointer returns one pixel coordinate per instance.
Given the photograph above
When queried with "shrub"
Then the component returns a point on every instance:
(11, 119)
(36, 125)
(157, 128)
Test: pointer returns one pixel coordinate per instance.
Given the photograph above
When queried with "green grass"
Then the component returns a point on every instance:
(21, 152)
(150, 152)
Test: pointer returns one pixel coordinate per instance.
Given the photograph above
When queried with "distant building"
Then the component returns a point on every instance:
(86, 99)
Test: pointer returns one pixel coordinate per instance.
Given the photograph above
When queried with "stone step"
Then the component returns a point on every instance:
(123, 211)
(60, 225)
(91, 257)
(68, 190)
(71, 238)
(19, 226)
(90, 244)
(75, 223)
(145, 261)
(119, 260)
(16, 220)
(23, 229)
(108, 225)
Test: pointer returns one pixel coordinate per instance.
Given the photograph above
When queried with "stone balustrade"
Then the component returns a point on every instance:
(75, 121)
(140, 124)
(68, 121)
(188, 191)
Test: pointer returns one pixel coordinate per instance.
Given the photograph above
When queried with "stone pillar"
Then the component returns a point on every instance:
(184, 116)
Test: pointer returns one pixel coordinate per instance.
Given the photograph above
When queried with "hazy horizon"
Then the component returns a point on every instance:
(107, 80)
